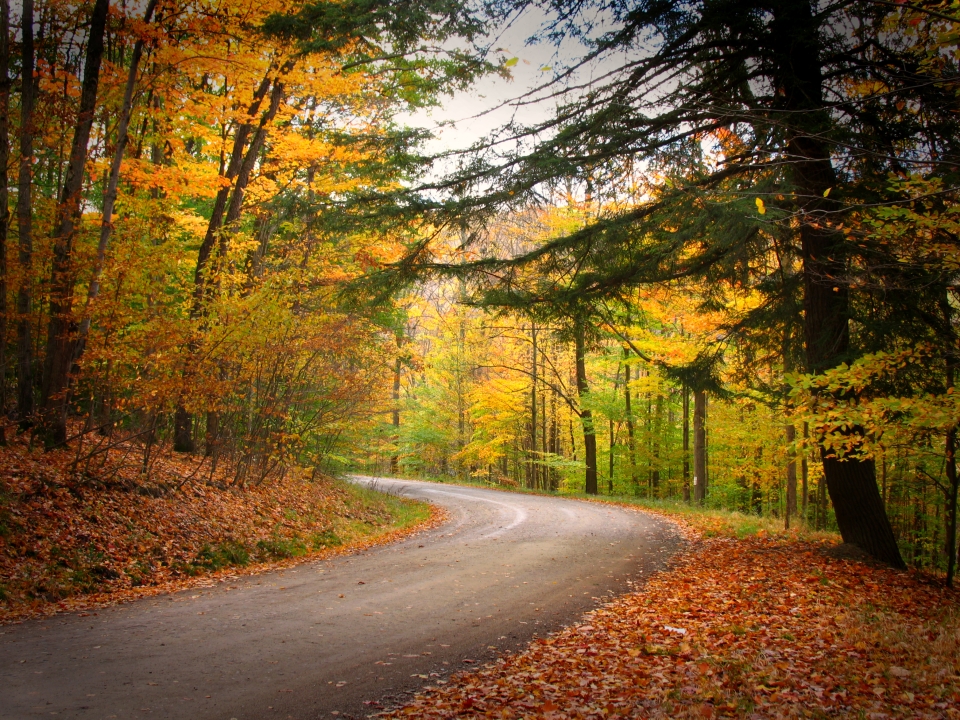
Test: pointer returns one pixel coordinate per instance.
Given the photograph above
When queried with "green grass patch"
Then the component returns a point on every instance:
(278, 548)
(225, 554)
(325, 539)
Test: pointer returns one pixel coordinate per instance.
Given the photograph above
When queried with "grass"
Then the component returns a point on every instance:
(117, 544)
(371, 511)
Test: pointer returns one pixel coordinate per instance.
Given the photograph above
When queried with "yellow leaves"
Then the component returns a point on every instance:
(760, 206)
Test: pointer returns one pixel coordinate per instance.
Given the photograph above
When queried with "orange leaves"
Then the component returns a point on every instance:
(774, 628)
(67, 544)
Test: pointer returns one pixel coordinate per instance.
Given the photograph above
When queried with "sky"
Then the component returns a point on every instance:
(469, 116)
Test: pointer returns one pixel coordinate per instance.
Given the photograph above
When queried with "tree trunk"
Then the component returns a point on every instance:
(60, 330)
(397, 367)
(613, 436)
(25, 379)
(215, 223)
(586, 417)
(952, 489)
(699, 446)
(791, 509)
(4, 203)
(631, 429)
(239, 171)
(852, 483)
(686, 444)
(657, 427)
(183, 430)
(610, 459)
(113, 182)
(532, 462)
(804, 475)
(953, 482)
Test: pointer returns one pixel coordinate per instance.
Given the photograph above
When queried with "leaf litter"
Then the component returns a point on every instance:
(71, 542)
(765, 626)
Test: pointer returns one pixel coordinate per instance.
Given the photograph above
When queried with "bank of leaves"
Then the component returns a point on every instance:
(760, 627)
(69, 541)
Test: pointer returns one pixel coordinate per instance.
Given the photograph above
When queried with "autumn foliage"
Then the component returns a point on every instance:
(69, 543)
(764, 626)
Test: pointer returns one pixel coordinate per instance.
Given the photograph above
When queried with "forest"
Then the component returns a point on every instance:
(723, 271)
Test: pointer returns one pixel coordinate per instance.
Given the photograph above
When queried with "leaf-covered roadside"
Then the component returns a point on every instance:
(68, 543)
(760, 627)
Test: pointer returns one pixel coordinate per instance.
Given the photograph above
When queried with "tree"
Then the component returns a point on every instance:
(784, 92)
(60, 333)
(25, 361)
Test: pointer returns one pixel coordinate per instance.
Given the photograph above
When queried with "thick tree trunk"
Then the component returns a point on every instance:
(852, 484)
(183, 430)
(4, 203)
(25, 377)
(60, 330)
(699, 446)
(950, 461)
(586, 417)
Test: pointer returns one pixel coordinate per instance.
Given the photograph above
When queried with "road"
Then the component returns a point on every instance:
(345, 636)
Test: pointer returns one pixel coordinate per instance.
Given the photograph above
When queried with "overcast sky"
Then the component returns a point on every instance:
(471, 115)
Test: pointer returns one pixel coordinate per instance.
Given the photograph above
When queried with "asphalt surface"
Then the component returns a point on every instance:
(342, 637)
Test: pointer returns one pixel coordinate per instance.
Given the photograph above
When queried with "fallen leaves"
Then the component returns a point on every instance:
(759, 627)
(68, 543)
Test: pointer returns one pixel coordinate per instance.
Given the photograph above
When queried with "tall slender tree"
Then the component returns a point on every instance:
(25, 362)
(4, 200)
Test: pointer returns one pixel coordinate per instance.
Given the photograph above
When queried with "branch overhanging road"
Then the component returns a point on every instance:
(347, 635)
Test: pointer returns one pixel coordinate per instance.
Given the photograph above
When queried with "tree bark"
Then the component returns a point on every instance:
(4, 203)
(699, 446)
(532, 462)
(950, 461)
(791, 509)
(397, 367)
(686, 444)
(631, 429)
(852, 484)
(60, 331)
(586, 417)
(804, 475)
(657, 427)
(25, 378)
(183, 430)
(953, 485)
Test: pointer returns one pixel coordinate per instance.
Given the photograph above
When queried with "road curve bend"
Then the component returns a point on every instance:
(345, 636)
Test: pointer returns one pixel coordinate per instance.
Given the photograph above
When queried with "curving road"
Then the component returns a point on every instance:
(341, 637)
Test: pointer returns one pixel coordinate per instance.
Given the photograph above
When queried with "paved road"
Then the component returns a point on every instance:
(344, 636)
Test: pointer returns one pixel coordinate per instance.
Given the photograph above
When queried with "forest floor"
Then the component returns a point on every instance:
(75, 540)
(746, 623)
